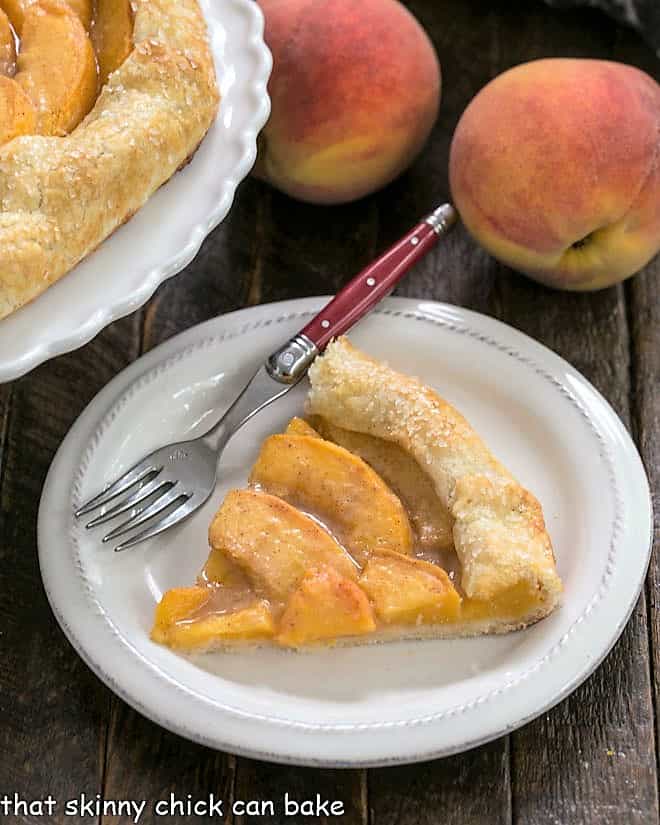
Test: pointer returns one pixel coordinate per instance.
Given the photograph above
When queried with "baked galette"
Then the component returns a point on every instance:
(101, 101)
(382, 516)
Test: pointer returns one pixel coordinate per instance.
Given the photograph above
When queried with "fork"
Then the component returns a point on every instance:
(176, 479)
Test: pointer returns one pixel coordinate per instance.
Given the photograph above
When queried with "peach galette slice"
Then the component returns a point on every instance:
(402, 527)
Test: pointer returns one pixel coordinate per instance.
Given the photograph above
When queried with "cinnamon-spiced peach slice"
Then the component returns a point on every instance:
(15, 10)
(7, 47)
(185, 619)
(336, 487)
(56, 66)
(273, 543)
(17, 115)
(325, 607)
(409, 591)
(112, 35)
(84, 9)
(298, 426)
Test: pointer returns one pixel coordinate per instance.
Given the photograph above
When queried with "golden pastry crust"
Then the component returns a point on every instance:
(60, 197)
(499, 530)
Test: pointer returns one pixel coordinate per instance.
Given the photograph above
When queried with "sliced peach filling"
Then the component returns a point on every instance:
(112, 35)
(7, 47)
(339, 488)
(185, 618)
(325, 606)
(56, 66)
(53, 81)
(513, 603)
(17, 114)
(431, 523)
(409, 591)
(273, 543)
(343, 568)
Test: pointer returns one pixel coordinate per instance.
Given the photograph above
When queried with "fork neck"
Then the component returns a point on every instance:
(260, 391)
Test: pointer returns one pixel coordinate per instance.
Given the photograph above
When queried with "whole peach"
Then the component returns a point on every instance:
(555, 170)
(355, 90)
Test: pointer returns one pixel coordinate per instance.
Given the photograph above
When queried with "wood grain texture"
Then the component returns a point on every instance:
(52, 709)
(311, 250)
(472, 788)
(644, 302)
(643, 297)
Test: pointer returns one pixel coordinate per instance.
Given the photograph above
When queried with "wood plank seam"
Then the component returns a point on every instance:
(365, 812)
(104, 762)
(4, 433)
(636, 427)
(254, 279)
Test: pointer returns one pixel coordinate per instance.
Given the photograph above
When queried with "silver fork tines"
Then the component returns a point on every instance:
(146, 513)
(177, 515)
(173, 481)
(143, 492)
(129, 479)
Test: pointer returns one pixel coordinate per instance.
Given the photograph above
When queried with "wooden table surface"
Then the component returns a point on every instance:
(593, 758)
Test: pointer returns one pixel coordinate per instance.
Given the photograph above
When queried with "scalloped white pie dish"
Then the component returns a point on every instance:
(167, 232)
(380, 704)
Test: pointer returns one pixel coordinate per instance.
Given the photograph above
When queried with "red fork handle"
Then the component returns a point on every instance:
(375, 282)
(359, 296)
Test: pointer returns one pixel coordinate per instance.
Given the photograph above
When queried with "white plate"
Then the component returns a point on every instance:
(383, 704)
(167, 232)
